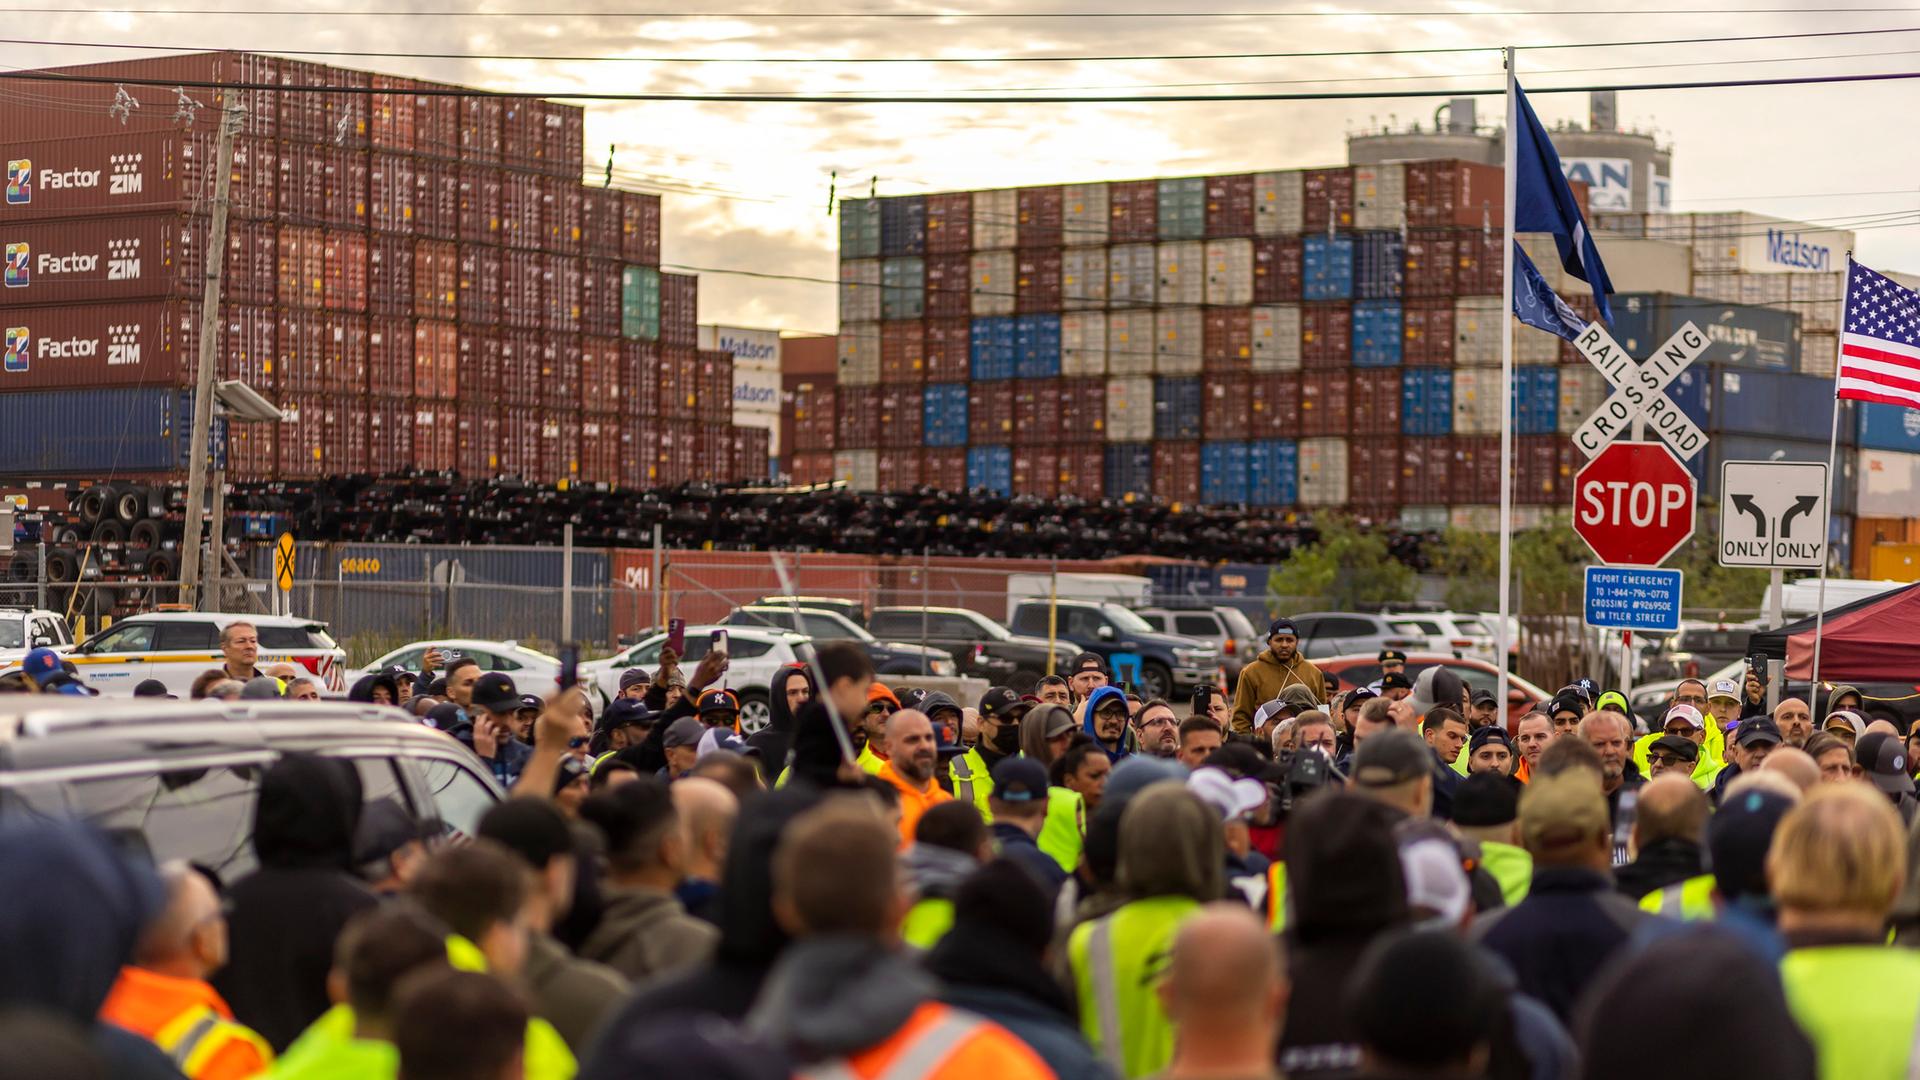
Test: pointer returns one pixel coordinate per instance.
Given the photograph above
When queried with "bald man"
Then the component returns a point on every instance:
(1794, 720)
(1669, 841)
(1225, 994)
(164, 995)
(707, 813)
(1793, 763)
(912, 755)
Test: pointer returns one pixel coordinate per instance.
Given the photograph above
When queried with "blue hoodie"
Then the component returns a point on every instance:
(1114, 754)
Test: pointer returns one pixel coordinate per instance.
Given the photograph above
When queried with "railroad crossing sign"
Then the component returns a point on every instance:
(283, 563)
(1640, 390)
(1772, 513)
(1633, 504)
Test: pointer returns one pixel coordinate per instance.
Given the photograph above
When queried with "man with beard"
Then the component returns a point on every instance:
(913, 754)
(1106, 721)
(1279, 667)
(1794, 720)
(1157, 730)
(1607, 733)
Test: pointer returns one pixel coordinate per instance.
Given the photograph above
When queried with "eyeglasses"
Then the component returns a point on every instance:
(1160, 721)
(1664, 759)
(577, 742)
(1694, 700)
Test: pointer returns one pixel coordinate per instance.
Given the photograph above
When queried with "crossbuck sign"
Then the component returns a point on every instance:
(1640, 391)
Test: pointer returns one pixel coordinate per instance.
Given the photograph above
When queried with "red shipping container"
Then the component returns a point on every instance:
(1376, 401)
(390, 274)
(813, 416)
(520, 442)
(522, 138)
(679, 309)
(640, 381)
(1036, 411)
(1538, 476)
(1227, 340)
(1083, 410)
(1083, 469)
(1037, 281)
(1427, 326)
(1426, 470)
(1226, 407)
(1373, 466)
(901, 416)
(560, 288)
(347, 122)
(949, 285)
(947, 345)
(345, 255)
(347, 174)
(95, 259)
(436, 360)
(480, 195)
(1449, 192)
(346, 353)
(1134, 206)
(599, 222)
(252, 452)
(480, 129)
(1036, 471)
(713, 385)
(1276, 270)
(560, 215)
(680, 453)
(901, 470)
(391, 189)
(436, 436)
(858, 408)
(903, 351)
(600, 297)
(679, 382)
(520, 363)
(436, 199)
(390, 118)
(481, 365)
(600, 374)
(252, 270)
(1327, 199)
(1038, 226)
(436, 122)
(559, 447)
(1476, 469)
(74, 107)
(566, 136)
(436, 279)
(322, 435)
(140, 172)
(816, 467)
(1478, 262)
(1430, 262)
(248, 346)
(944, 468)
(300, 255)
(949, 225)
(640, 228)
(520, 304)
(520, 210)
(1325, 403)
(1326, 336)
(390, 366)
(1273, 410)
(302, 352)
(1176, 471)
(989, 413)
(389, 434)
(561, 360)
(1230, 205)
(605, 447)
(303, 116)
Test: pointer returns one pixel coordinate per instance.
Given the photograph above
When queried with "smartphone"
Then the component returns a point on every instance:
(569, 665)
(718, 643)
(1757, 663)
(677, 636)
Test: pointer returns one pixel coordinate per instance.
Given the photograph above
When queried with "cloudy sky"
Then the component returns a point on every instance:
(746, 185)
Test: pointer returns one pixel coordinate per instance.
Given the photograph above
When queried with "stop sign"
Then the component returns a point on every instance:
(1633, 503)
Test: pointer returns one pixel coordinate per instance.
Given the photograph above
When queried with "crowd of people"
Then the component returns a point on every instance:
(1397, 880)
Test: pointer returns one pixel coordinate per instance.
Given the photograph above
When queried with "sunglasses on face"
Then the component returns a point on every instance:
(577, 742)
(1664, 759)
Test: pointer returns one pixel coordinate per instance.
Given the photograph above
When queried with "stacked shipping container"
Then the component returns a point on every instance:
(416, 276)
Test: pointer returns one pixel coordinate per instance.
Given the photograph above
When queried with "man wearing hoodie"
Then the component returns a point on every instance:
(911, 769)
(1279, 667)
(643, 931)
(845, 999)
(283, 918)
(1106, 719)
(776, 738)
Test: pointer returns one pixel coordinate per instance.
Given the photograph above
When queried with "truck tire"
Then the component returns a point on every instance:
(110, 531)
(144, 534)
(132, 504)
(63, 565)
(162, 565)
(1155, 680)
(95, 503)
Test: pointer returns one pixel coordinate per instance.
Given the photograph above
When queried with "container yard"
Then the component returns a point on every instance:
(418, 281)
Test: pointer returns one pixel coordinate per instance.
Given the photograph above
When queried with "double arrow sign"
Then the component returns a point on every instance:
(1640, 390)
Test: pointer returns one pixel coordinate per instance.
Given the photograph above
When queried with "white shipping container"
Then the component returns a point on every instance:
(1379, 196)
(1636, 265)
(1582, 389)
(996, 219)
(1323, 472)
(1130, 342)
(1541, 249)
(1534, 347)
(1887, 482)
(1818, 298)
(1177, 334)
(756, 391)
(858, 469)
(1423, 518)
(1230, 272)
(860, 353)
(1476, 401)
(859, 291)
(1133, 273)
(1819, 353)
(754, 348)
(1757, 243)
(1084, 214)
(1672, 228)
(1278, 201)
(993, 282)
(1760, 290)
(1486, 519)
(1276, 337)
(1476, 331)
(1130, 410)
(1182, 273)
(1083, 278)
(1083, 343)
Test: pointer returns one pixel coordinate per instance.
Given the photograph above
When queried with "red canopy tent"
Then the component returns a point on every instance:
(1876, 640)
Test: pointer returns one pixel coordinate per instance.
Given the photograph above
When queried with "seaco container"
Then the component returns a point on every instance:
(90, 433)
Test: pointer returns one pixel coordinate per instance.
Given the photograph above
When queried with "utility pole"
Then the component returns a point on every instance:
(190, 556)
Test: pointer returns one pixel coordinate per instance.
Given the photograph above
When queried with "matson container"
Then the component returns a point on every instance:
(1182, 273)
(1229, 272)
(91, 433)
(1085, 214)
(1083, 343)
(1275, 333)
(1130, 410)
(1278, 203)
(1133, 212)
(1273, 406)
(1083, 279)
(151, 343)
(1323, 472)
(116, 258)
(1130, 343)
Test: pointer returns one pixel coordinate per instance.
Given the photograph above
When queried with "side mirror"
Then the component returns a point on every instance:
(42, 641)
(1105, 633)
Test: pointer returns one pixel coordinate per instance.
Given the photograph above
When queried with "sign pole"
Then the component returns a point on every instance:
(1775, 598)
(1826, 519)
(1504, 632)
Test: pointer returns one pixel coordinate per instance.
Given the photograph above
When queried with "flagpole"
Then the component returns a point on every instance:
(1826, 522)
(1503, 638)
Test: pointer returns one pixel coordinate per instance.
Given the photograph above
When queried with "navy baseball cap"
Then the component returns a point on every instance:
(42, 666)
(717, 701)
(1282, 626)
(1019, 779)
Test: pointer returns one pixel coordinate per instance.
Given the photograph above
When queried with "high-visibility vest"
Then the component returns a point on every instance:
(971, 783)
(927, 921)
(1860, 1007)
(193, 1038)
(1118, 963)
(923, 1055)
(1511, 867)
(1691, 900)
(869, 761)
(1277, 896)
(1065, 829)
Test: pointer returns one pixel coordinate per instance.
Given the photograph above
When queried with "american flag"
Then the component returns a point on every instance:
(1880, 346)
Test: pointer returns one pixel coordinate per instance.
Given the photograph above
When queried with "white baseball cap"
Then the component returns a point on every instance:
(1435, 880)
(1230, 798)
(1683, 712)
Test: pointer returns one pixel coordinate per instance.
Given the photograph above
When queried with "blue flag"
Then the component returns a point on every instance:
(1544, 203)
(1536, 304)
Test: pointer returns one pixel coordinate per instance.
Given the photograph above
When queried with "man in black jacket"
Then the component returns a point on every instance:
(1668, 833)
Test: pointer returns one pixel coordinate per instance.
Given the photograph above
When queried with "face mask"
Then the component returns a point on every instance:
(1006, 740)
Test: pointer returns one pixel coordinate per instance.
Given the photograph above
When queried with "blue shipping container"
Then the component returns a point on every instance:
(1888, 427)
(1036, 343)
(1176, 408)
(944, 408)
(1223, 473)
(1740, 334)
(990, 467)
(90, 433)
(1376, 333)
(903, 225)
(1705, 465)
(1536, 398)
(1426, 401)
(1689, 391)
(992, 348)
(1129, 469)
(1273, 476)
(1379, 265)
(1327, 267)
(1776, 403)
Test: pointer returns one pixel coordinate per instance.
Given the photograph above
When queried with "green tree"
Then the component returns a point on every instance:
(1345, 568)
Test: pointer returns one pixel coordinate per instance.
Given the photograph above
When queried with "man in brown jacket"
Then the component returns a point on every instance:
(644, 931)
(1279, 667)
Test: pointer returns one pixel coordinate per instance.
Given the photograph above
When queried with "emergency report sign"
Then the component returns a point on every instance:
(1633, 598)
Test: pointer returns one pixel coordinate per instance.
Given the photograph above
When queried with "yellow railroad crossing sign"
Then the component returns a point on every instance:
(283, 563)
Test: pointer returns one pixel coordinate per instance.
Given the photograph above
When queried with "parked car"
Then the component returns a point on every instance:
(1892, 701)
(1225, 628)
(981, 647)
(1446, 632)
(889, 657)
(533, 671)
(181, 777)
(1697, 649)
(851, 610)
(1362, 669)
(754, 653)
(23, 630)
(1166, 663)
(1649, 700)
(175, 647)
(1336, 633)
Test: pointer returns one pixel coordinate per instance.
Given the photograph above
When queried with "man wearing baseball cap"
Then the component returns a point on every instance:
(1686, 722)
(1847, 726)
(1672, 753)
(1883, 763)
(1482, 710)
(972, 772)
(718, 708)
(1748, 745)
(1087, 673)
(1392, 662)
(1723, 701)
(1489, 750)
(1395, 686)
(1019, 805)
(43, 666)
(1279, 667)
(488, 731)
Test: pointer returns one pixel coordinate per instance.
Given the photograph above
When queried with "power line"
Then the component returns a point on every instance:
(979, 15)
